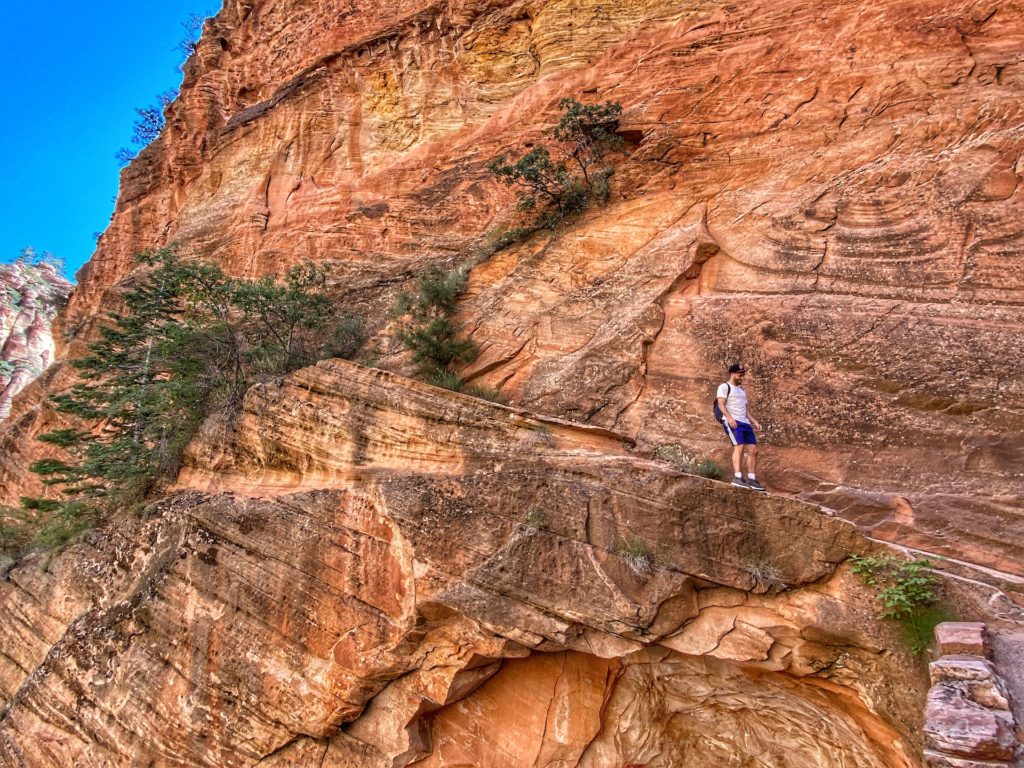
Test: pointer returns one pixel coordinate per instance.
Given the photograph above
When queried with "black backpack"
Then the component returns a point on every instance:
(715, 408)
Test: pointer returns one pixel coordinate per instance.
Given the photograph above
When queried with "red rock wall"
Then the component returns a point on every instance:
(828, 191)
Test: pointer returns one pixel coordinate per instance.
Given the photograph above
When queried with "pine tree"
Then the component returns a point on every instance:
(188, 340)
(434, 338)
(553, 189)
(134, 397)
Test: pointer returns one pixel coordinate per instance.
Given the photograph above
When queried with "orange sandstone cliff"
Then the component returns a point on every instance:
(353, 573)
(368, 571)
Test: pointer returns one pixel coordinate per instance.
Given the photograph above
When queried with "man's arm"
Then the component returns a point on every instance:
(725, 412)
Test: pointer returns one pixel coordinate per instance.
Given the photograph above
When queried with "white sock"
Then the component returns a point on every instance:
(751, 476)
(739, 475)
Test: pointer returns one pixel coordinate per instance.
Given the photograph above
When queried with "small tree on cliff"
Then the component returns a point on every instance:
(193, 29)
(435, 339)
(148, 123)
(189, 340)
(553, 188)
(140, 394)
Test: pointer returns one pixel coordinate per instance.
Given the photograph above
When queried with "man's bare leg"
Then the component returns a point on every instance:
(737, 459)
(751, 459)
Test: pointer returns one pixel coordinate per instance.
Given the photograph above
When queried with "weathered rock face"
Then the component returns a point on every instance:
(361, 571)
(968, 719)
(828, 191)
(428, 577)
(30, 295)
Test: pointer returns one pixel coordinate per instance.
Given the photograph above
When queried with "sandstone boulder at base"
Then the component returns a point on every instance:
(962, 637)
(974, 675)
(955, 724)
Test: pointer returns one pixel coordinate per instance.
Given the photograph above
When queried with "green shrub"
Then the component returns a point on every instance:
(917, 627)
(535, 518)
(908, 593)
(902, 585)
(189, 340)
(552, 189)
(709, 469)
(499, 239)
(15, 532)
(435, 340)
(69, 522)
(437, 343)
(512, 236)
(446, 380)
(485, 393)
(685, 462)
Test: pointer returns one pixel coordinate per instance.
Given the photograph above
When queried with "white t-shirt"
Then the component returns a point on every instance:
(736, 402)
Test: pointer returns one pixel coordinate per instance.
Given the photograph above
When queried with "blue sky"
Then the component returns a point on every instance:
(73, 74)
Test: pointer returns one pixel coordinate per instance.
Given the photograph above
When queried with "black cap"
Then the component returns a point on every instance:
(736, 368)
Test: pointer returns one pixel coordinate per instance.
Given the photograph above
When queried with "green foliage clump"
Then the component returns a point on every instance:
(446, 380)
(908, 592)
(709, 469)
(435, 339)
(902, 585)
(485, 393)
(188, 341)
(429, 330)
(553, 187)
(15, 533)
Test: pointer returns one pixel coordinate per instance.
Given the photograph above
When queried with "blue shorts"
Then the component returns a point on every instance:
(742, 435)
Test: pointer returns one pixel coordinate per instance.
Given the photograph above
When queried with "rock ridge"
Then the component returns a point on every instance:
(368, 617)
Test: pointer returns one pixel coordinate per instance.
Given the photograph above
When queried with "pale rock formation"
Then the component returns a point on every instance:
(968, 719)
(30, 295)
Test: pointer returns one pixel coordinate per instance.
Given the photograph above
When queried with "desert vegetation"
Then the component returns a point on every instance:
(636, 554)
(908, 592)
(685, 462)
(188, 341)
(561, 177)
(427, 328)
(555, 180)
(150, 120)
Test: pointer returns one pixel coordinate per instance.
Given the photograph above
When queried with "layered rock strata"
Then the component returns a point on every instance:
(829, 191)
(367, 571)
(968, 719)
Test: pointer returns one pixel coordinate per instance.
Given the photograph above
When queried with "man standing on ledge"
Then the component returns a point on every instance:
(732, 400)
